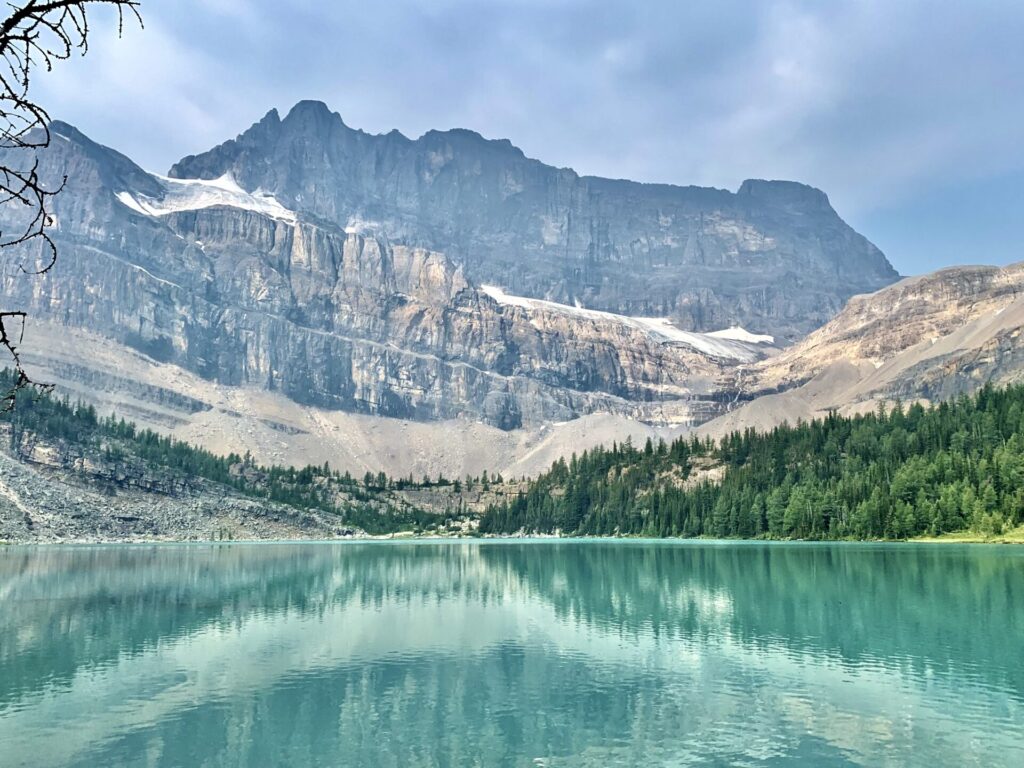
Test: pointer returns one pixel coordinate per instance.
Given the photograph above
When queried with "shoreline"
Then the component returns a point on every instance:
(1013, 537)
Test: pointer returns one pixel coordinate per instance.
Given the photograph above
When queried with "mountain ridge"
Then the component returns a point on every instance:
(550, 233)
(926, 338)
(273, 116)
(233, 286)
(231, 276)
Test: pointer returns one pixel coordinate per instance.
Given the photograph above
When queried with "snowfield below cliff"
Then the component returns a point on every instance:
(728, 344)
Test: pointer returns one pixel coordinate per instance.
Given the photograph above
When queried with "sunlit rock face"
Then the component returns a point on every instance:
(925, 339)
(934, 336)
(350, 272)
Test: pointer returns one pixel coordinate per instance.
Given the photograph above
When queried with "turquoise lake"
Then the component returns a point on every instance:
(509, 653)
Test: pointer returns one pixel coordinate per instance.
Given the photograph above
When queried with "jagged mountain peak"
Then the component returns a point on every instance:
(708, 258)
(249, 267)
(304, 107)
(314, 116)
(468, 140)
(66, 131)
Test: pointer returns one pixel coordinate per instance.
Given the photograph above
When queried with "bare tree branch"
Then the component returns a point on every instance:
(21, 379)
(36, 33)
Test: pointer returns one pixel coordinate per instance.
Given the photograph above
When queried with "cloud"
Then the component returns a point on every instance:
(875, 102)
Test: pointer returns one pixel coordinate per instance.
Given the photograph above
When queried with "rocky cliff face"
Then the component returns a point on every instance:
(350, 272)
(925, 318)
(773, 257)
(927, 338)
(234, 286)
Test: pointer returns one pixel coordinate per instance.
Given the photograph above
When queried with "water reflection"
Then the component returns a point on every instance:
(499, 653)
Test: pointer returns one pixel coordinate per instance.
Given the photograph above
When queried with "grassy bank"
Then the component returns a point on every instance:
(1013, 536)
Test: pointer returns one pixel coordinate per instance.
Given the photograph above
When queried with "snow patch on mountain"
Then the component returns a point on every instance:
(708, 343)
(195, 194)
(501, 297)
(729, 344)
(736, 333)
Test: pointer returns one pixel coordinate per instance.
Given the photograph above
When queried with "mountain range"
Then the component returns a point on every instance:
(312, 292)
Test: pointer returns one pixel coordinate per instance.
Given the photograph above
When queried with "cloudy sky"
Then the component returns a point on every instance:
(908, 113)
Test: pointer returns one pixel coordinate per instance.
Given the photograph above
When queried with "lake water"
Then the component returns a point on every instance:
(504, 653)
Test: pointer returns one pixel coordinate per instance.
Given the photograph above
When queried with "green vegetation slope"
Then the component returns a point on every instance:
(893, 475)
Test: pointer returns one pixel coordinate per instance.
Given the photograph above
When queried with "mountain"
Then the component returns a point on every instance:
(927, 338)
(289, 288)
(774, 256)
(260, 270)
(230, 284)
(310, 293)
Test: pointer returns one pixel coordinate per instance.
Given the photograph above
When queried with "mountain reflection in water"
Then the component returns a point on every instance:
(589, 653)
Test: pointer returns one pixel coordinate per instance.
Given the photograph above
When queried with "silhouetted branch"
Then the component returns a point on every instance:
(36, 33)
(21, 379)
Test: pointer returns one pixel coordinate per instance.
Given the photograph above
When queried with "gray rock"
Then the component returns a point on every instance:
(773, 257)
(388, 318)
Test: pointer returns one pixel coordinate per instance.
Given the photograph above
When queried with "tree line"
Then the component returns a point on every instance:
(891, 474)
